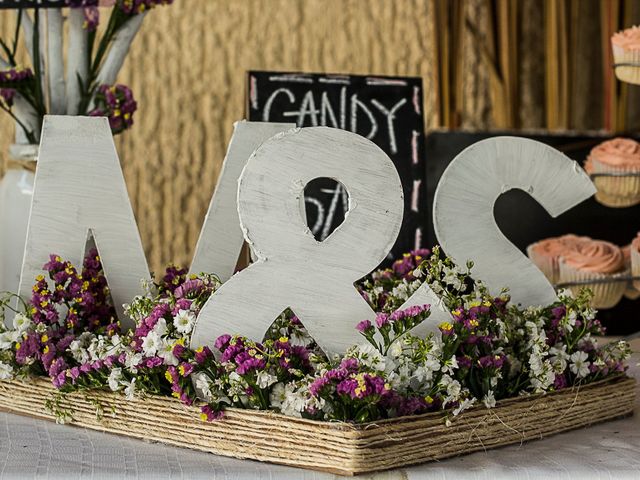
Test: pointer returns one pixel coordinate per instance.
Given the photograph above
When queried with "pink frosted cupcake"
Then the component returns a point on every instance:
(626, 54)
(616, 156)
(595, 260)
(546, 253)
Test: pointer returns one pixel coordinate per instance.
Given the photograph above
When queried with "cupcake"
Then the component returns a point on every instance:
(595, 260)
(546, 253)
(626, 54)
(632, 293)
(616, 156)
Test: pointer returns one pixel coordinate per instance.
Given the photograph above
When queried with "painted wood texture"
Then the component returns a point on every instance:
(221, 239)
(316, 279)
(79, 188)
(463, 209)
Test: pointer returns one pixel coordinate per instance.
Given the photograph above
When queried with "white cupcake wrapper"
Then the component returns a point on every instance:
(626, 73)
(605, 295)
(548, 265)
(615, 192)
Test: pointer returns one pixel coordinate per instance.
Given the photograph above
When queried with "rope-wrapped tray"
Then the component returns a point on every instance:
(341, 448)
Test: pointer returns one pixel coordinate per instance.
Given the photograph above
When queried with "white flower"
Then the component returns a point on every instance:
(132, 360)
(184, 321)
(450, 365)
(395, 350)
(150, 344)
(160, 328)
(464, 405)
(265, 379)
(489, 399)
(114, 379)
(277, 395)
(21, 322)
(130, 389)
(369, 356)
(559, 357)
(7, 338)
(6, 371)
(579, 364)
(165, 351)
(203, 389)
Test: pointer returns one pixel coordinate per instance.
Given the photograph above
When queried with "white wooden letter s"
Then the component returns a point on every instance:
(463, 209)
(316, 279)
(79, 188)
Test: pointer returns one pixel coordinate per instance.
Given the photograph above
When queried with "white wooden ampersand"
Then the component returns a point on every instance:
(221, 239)
(463, 209)
(316, 279)
(79, 188)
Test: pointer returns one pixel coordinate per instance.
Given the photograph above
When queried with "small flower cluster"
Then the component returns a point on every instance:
(65, 306)
(117, 103)
(489, 350)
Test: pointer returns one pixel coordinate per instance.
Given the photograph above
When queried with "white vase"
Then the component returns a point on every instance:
(16, 192)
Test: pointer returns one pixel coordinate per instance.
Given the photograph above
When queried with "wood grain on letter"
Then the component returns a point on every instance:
(221, 239)
(79, 188)
(463, 209)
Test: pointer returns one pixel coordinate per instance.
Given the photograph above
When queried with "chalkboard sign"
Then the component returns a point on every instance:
(32, 4)
(387, 110)
(523, 221)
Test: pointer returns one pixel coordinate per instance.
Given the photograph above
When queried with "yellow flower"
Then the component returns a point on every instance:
(203, 417)
(475, 303)
(283, 339)
(457, 312)
(39, 278)
(18, 346)
(180, 341)
(44, 338)
(181, 370)
(445, 326)
(487, 303)
(428, 399)
(175, 394)
(44, 303)
(473, 322)
(199, 349)
(46, 349)
(167, 375)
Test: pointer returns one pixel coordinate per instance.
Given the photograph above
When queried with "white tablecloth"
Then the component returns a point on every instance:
(32, 448)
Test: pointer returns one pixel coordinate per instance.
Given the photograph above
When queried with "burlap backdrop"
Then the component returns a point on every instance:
(188, 63)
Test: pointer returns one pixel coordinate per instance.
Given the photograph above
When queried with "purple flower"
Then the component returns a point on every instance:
(117, 103)
(382, 319)
(364, 326)
(208, 414)
(222, 341)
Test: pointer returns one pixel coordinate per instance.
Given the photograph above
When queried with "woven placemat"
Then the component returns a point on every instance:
(337, 447)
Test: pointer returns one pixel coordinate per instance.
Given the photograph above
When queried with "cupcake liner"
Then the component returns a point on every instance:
(617, 192)
(635, 267)
(629, 74)
(548, 265)
(631, 293)
(605, 295)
